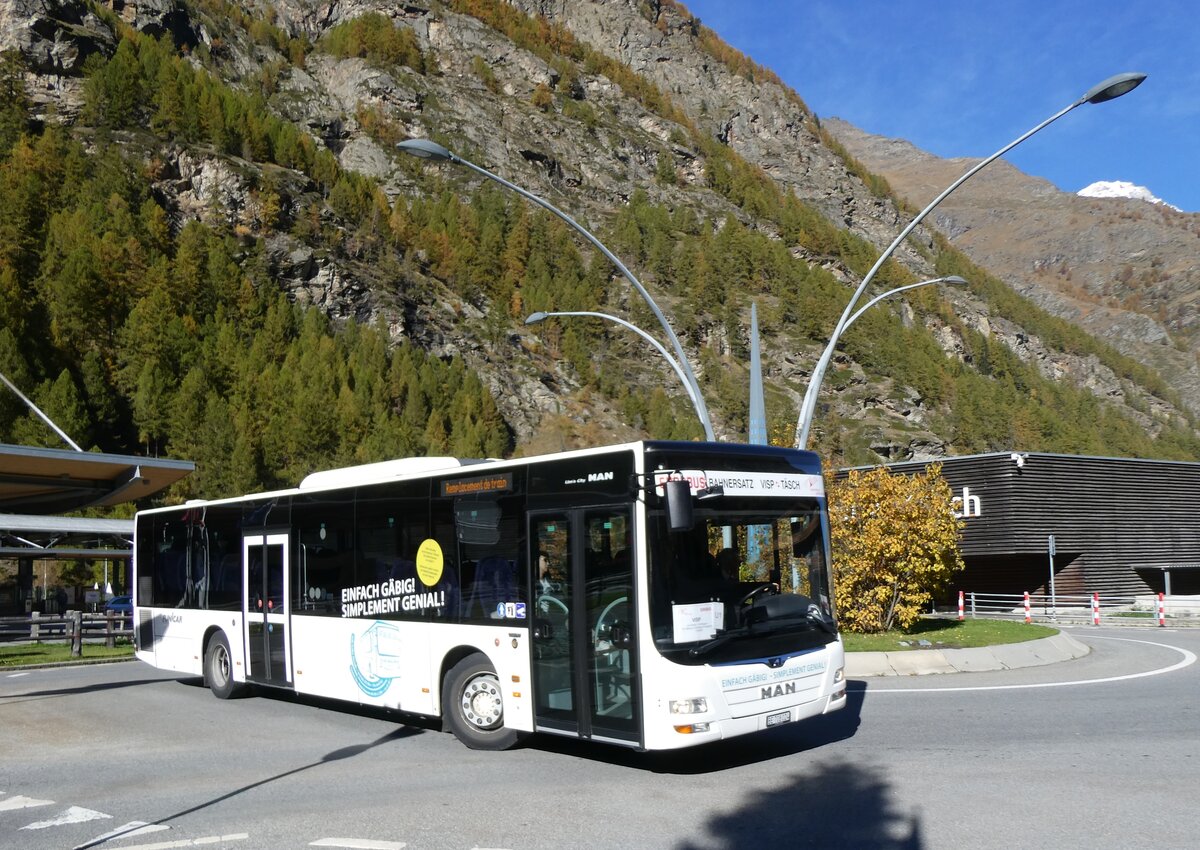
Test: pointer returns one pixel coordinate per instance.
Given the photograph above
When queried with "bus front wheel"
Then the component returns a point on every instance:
(218, 668)
(473, 705)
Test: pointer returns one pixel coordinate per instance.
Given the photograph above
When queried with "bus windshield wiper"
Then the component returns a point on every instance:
(722, 638)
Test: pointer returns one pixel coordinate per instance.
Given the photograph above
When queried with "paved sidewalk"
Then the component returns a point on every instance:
(1009, 656)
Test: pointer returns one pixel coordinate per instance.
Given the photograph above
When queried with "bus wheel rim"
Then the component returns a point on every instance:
(221, 665)
(482, 704)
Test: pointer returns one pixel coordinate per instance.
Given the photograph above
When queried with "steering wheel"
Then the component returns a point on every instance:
(547, 603)
(764, 587)
(611, 610)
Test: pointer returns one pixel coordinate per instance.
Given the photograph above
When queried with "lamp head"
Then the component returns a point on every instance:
(1113, 87)
(955, 280)
(534, 318)
(425, 149)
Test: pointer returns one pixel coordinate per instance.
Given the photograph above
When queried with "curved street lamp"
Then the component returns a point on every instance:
(827, 354)
(426, 149)
(1109, 89)
(953, 280)
(541, 316)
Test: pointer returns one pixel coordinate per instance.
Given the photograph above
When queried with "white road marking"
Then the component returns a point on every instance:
(19, 802)
(188, 842)
(132, 829)
(17, 675)
(74, 814)
(1189, 658)
(359, 844)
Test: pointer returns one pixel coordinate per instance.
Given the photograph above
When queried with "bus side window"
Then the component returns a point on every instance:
(171, 566)
(494, 584)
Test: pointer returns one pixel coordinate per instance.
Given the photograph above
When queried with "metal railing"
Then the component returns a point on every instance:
(1140, 610)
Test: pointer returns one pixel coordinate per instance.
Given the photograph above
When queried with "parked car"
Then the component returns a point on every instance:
(122, 605)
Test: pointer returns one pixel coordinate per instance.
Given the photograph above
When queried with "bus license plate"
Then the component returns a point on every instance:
(779, 718)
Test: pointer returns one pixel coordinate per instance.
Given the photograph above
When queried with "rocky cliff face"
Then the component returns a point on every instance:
(589, 160)
(1125, 270)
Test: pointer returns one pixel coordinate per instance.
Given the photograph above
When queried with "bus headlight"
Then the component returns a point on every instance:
(688, 706)
(839, 675)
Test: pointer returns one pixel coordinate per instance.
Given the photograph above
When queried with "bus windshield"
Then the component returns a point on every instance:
(749, 580)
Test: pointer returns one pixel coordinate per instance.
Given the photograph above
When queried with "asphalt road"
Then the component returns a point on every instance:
(1099, 752)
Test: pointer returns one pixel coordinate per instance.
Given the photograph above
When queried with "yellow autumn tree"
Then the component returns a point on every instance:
(895, 544)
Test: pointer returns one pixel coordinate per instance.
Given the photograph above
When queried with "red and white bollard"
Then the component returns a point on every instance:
(1162, 612)
(960, 605)
(1028, 618)
(1095, 609)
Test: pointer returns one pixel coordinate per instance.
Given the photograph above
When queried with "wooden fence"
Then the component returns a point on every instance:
(73, 627)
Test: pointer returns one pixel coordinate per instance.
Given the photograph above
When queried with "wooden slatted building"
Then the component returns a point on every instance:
(1118, 523)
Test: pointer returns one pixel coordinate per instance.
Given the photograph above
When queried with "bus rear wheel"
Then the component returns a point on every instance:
(473, 706)
(218, 668)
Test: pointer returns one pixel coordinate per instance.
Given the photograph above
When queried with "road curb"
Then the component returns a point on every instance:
(924, 662)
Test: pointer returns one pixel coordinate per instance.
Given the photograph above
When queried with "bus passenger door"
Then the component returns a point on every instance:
(584, 643)
(265, 605)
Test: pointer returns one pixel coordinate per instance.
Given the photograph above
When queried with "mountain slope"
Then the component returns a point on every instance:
(1126, 271)
(256, 144)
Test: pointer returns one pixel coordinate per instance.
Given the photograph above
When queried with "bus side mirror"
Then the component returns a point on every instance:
(678, 496)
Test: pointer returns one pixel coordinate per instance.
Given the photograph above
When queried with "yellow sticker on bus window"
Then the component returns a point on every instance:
(429, 563)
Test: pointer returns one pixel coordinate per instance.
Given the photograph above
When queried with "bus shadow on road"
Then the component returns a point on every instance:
(49, 693)
(412, 724)
(329, 757)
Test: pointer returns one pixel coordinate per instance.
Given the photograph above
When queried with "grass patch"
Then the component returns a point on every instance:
(17, 655)
(947, 634)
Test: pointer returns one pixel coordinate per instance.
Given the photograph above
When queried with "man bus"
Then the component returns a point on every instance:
(575, 594)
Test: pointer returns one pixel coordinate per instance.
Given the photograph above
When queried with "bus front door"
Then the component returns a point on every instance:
(584, 643)
(265, 604)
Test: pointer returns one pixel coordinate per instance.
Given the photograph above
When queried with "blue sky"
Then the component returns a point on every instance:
(965, 78)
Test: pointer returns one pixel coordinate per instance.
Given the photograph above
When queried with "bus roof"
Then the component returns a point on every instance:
(418, 467)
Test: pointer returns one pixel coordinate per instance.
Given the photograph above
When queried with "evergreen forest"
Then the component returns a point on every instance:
(143, 331)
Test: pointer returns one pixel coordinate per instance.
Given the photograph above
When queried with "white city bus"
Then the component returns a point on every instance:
(655, 595)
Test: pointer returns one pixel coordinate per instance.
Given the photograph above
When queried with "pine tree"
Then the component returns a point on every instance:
(14, 100)
(151, 406)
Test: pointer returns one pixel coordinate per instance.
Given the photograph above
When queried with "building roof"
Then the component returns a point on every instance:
(1013, 455)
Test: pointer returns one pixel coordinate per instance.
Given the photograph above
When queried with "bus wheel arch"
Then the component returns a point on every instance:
(218, 666)
(473, 704)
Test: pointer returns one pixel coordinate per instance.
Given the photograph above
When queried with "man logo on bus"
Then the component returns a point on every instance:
(375, 660)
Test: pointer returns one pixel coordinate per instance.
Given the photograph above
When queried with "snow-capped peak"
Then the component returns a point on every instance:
(1122, 189)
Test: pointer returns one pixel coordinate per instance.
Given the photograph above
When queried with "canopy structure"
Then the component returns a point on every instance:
(64, 537)
(37, 483)
(49, 481)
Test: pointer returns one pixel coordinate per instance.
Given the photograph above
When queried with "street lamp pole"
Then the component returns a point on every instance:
(541, 316)
(1109, 89)
(39, 413)
(426, 149)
